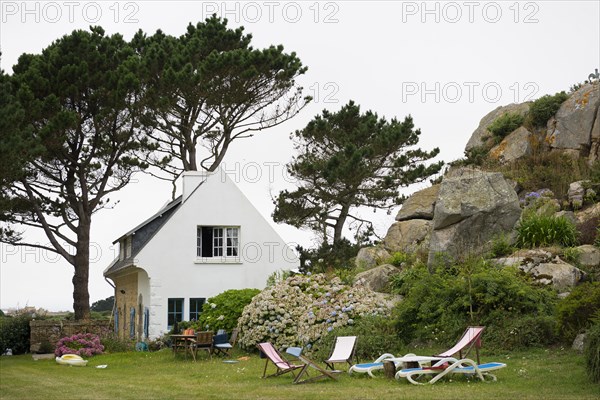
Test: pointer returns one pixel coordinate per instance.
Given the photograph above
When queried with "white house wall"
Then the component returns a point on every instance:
(170, 259)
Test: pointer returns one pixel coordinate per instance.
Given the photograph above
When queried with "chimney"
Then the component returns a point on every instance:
(190, 180)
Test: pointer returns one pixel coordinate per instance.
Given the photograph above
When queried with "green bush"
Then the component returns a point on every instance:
(115, 344)
(571, 255)
(592, 351)
(520, 332)
(505, 124)
(575, 312)
(339, 255)
(376, 335)
(539, 230)
(401, 259)
(474, 156)
(597, 241)
(552, 170)
(544, 108)
(14, 333)
(438, 306)
(501, 246)
(278, 276)
(224, 310)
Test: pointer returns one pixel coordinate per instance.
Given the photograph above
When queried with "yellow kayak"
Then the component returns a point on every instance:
(71, 359)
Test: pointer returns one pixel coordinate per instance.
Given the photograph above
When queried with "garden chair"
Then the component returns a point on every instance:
(223, 344)
(272, 355)
(343, 351)
(450, 366)
(471, 338)
(303, 376)
(203, 341)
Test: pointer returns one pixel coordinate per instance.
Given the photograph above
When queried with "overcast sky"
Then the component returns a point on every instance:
(445, 63)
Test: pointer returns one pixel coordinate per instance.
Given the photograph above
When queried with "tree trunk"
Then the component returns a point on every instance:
(339, 224)
(81, 295)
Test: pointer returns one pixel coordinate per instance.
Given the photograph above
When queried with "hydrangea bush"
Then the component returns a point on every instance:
(83, 344)
(301, 309)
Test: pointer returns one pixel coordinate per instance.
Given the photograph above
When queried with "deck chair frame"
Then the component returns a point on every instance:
(347, 358)
(303, 376)
(274, 356)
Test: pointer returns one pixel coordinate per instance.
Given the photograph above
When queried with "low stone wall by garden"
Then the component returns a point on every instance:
(45, 334)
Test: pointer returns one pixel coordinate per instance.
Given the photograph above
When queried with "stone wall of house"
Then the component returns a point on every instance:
(126, 293)
(46, 333)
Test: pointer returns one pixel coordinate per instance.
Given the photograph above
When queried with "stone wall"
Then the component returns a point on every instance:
(50, 332)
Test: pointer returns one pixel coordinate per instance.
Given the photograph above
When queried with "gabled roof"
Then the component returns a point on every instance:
(142, 234)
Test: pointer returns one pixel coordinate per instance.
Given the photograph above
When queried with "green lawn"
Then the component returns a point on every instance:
(536, 374)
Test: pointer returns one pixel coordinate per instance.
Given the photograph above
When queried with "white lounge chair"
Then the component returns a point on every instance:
(448, 366)
(399, 362)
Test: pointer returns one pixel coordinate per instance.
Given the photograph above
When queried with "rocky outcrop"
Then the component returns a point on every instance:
(576, 193)
(561, 275)
(589, 256)
(472, 207)
(419, 205)
(579, 342)
(369, 257)
(481, 133)
(571, 128)
(574, 130)
(377, 279)
(514, 146)
(595, 142)
(568, 215)
(590, 212)
(545, 268)
(408, 236)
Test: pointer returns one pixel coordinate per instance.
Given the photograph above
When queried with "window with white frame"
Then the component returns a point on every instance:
(218, 241)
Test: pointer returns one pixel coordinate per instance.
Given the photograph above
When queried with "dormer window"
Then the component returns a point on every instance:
(218, 241)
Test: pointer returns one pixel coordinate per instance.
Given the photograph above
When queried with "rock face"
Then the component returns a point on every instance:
(589, 256)
(589, 213)
(579, 342)
(477, 138)
(369, 257)
(514, 146)
(420, 205)
(408, 236)
(568, 215)
(574, 130)
(576, 193)
(574, 121)
(377, 279)
(595, 143)
(544, 268)
(561, 275)
(472, 207)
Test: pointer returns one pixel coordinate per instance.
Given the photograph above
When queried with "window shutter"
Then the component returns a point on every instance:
(146, 322)
(132, 322)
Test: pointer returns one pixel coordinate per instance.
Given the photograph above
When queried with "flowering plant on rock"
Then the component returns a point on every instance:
(83, 344)
(301, 309)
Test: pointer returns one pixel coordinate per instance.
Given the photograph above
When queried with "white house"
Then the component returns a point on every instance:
(208, 240)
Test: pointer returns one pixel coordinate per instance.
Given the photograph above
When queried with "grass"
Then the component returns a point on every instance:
(535, 374)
